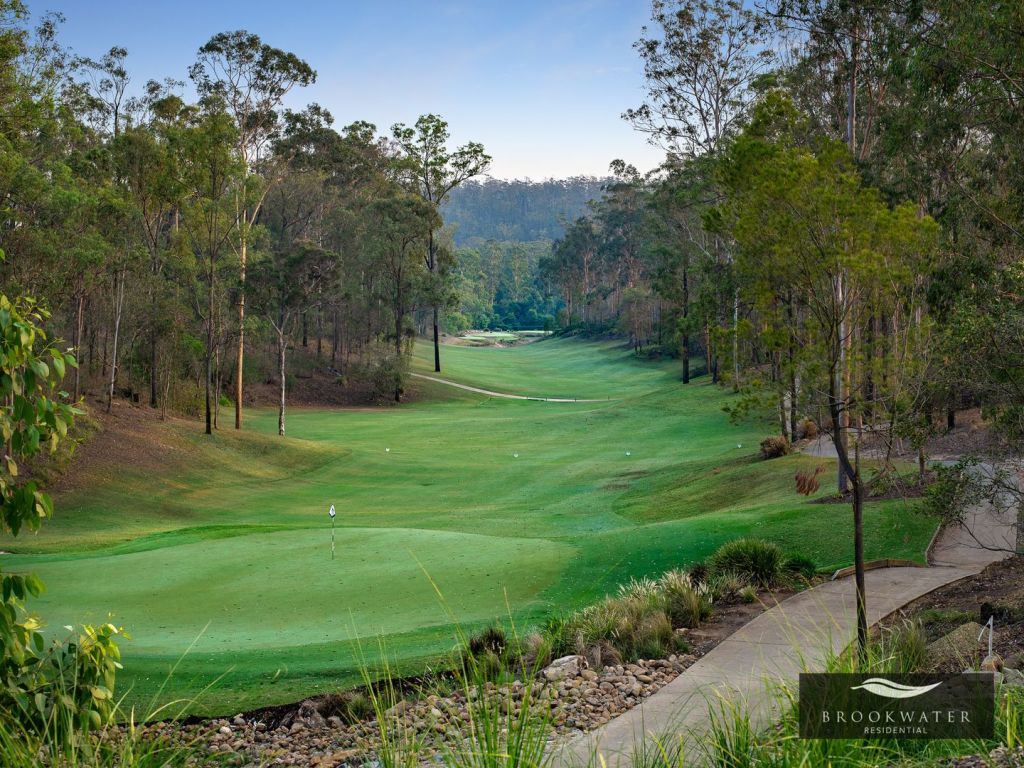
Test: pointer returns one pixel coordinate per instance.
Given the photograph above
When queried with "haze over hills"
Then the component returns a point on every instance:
(518, 210)
(502, 229)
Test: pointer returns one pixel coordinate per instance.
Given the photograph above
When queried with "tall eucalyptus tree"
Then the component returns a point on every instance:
(434, 171)
(251, 78)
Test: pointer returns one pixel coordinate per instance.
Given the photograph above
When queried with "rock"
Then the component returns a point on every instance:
(993, 663)
(1013, 677)
(224, 730)
(400, 708)
(962, 644)
(589, 674)
(310, 713)
(565, 667)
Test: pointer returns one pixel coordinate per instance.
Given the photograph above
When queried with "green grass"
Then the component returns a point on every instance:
(549, 368)
(491, 336)
(226, 542)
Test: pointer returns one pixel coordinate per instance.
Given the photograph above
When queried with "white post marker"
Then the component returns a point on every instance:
(332, 513)
(989, 627)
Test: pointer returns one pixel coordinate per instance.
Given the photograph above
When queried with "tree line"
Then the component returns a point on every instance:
(168, 235)
(517, 210)
(836, 231)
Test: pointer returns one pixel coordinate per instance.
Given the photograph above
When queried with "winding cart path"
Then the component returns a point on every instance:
(797, 634)
(505, 395)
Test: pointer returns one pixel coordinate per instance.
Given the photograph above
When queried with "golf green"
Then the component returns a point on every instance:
(457, 508)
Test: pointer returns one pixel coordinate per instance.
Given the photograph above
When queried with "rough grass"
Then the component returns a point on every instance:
(228, 540)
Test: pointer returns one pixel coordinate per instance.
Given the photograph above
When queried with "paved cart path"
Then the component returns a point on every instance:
(507, 396)
(793, 635)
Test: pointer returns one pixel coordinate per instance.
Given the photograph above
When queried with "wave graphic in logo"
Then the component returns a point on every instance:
(890, 690)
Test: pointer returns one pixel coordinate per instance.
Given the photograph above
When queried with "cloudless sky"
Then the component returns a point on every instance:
(540, 84)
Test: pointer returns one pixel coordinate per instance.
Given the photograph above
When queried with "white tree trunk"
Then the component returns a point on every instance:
(281, 346)
(118, 305)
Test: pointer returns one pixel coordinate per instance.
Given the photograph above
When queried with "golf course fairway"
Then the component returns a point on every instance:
(457, 507)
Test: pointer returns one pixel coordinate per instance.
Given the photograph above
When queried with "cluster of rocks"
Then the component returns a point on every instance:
(1001, 757)
(585, 699)
(574, 698)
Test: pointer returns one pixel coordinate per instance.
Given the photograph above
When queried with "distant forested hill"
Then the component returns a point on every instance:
(518, 211)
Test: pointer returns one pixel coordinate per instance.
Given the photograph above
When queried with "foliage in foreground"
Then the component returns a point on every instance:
(46, 690)
(736, 739)
(497, 732)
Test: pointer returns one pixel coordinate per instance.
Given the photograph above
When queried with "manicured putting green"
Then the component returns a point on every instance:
(456, 508)
(267, 590)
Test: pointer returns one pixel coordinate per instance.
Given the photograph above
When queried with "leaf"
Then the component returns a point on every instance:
(100, 693)
(58, 364)
(34, 585)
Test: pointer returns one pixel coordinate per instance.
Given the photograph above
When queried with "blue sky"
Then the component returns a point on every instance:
(540, 84)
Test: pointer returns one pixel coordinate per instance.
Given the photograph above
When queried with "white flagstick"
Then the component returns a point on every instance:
(332, 513)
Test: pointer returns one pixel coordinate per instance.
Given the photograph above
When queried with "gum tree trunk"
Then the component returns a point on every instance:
(281, 347)
(118, 306)
(240, 363)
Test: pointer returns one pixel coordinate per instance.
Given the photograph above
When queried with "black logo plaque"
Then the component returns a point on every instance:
(897, 706)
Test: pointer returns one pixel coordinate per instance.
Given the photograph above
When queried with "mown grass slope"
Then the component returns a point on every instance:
(458, 507)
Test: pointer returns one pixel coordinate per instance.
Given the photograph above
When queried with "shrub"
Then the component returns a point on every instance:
(726, 585)
(758, 562)
(686, 604)
(953, 491)
(621, 627)
(488, 666)
(486, 654)
(905, 648)
(602, 654)
(487, 640)
(44, 691)
(680, 644)
(655, 637)
(646, 592)
(351, 706)
(748, 594)
(807, 428)
(557, 634)
(698, 572)
(774, 447)
(537, 651)
(800, 566)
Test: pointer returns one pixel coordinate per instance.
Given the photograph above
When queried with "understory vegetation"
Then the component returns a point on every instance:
(640, 620)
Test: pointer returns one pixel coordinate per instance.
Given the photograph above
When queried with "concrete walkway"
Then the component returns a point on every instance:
(797, 634)
(505, 394)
